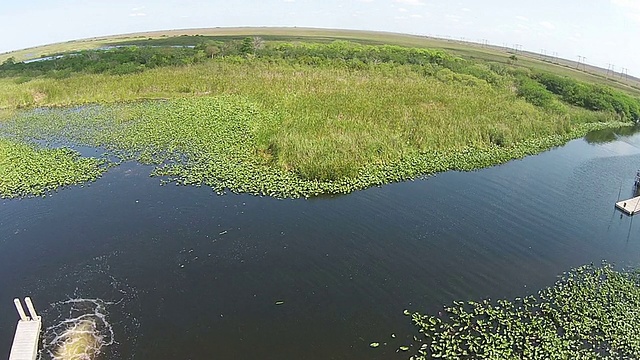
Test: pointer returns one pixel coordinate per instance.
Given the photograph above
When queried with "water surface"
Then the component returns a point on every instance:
(186, 274)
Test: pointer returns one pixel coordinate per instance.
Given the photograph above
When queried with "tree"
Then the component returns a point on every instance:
(258, 43)
(247, 46)
(10, 61)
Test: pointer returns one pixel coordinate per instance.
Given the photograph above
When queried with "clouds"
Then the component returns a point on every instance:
(137, 12)
(410, 2)
(630, 7)
(547, 25)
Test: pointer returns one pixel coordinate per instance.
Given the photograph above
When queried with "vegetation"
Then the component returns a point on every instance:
(115, 61)
(299, 119)
(590, 96)
(590, 313)
(27, 170)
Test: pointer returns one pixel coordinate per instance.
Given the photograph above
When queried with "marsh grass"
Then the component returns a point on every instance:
(227, 143)
(287, 127)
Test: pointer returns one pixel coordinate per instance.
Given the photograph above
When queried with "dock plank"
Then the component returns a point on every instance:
(25, 342)
(630, 206)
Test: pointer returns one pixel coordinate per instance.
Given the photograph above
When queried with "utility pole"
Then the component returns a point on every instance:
(624, 72)
(517, 47)
(579, 61)
(611, 68)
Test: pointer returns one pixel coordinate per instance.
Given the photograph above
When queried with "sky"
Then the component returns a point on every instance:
(603, 32)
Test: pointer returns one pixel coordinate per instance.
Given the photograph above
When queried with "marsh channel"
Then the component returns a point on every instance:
(184, 273)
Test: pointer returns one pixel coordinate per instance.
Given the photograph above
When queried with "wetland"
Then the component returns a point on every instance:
(430, 189)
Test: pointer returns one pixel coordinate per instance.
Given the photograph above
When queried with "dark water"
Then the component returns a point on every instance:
(186, 274)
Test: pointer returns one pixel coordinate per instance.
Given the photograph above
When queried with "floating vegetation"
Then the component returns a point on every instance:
(590, 313)
(232, 143)
(29, 170)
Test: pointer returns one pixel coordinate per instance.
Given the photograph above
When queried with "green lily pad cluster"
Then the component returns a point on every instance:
(28, 170)
(592, 312)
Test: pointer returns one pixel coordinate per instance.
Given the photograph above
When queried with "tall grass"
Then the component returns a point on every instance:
(333, 127)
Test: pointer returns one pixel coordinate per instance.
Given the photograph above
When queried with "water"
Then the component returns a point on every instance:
(182, 273)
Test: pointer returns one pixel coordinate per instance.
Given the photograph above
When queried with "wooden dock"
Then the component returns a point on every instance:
(629, 207)
(27, 337)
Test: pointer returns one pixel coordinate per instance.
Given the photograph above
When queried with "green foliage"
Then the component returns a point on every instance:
(591, 96)
(28, 170)
(535, 93)
(315, 118)
(485, 72)
(117, 61)
(367, 54)
(9, 62)
(590, 313)
(247, 46)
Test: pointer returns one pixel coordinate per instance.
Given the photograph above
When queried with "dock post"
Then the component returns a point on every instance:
(32, 310)
(20, 309)
(27, 336)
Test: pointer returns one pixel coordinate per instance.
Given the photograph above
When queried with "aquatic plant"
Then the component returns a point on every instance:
(590, 313)
(26, 169)
(231, 143)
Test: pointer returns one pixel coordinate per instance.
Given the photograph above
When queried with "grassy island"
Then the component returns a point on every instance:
(291, 117)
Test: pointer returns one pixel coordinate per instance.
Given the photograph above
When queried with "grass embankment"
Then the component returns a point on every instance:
(308, 119)
(590, 313)
(28, 170)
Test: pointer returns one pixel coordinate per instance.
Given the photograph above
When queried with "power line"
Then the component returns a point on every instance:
(582, 60)
(611, 68)
(625, 73)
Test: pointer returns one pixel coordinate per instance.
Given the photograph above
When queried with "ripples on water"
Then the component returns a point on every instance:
(83, 333)
(183, 273)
